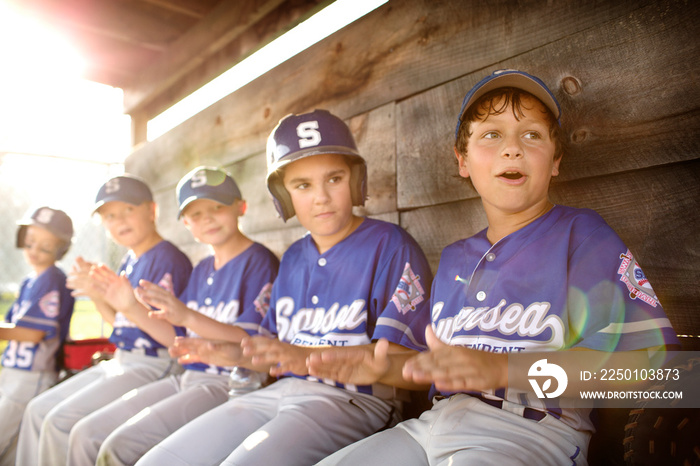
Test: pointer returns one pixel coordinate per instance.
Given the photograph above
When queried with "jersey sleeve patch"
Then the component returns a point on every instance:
(409, 292)
(50, 304)
(633, 277)
(262, 302)
(167, 282)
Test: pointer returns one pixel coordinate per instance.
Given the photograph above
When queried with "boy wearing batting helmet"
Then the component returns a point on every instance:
(37, 324)
(540, 277)
(349, 282)
(125, 206)
(226, 299)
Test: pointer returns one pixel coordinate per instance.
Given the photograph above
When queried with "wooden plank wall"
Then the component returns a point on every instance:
(626, 74)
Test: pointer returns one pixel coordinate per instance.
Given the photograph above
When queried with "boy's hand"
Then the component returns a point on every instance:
(456, 368)
(169, 307)
(281, 357)
(80, 282)
(189, 350)
(360, 365)
(116, 289)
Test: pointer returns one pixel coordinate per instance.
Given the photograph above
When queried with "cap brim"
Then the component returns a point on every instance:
(521, 82)
(102, 202)
(191, 199)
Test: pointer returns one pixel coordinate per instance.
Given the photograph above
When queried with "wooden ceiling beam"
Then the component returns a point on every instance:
(196, 9)
(228, 20)
(132, 22)
(78, 28)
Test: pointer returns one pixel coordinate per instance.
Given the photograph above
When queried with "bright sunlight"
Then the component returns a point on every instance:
(45, 108)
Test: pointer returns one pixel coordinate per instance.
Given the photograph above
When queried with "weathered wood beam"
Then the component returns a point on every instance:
(139, 128)
(286, 16)
(227, 20)
(130, 22)
(193, 8)
(393, 54)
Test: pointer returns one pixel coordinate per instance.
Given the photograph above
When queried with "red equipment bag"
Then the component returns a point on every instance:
(78, 354)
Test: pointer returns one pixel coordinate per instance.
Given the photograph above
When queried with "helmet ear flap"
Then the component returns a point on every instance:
(358, 188)
(358, 181)
(280, 196)
(21, 234)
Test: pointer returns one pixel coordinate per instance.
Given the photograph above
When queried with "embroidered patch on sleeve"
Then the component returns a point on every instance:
(166, 282)
(262, 302)
(409, 292)
(633, 277)
(50, 304)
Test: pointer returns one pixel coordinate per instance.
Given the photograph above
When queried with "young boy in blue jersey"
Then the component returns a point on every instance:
(540, 277)
(125, 206)
(226, 299)
(350, 281)
(37, 324)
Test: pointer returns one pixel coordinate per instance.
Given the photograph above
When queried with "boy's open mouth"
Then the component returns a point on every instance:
(512, 175)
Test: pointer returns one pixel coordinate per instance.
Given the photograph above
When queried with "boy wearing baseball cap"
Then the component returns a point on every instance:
(226, 299)
(540, 277)
(125, 206)
(350, 281)
(37, 324)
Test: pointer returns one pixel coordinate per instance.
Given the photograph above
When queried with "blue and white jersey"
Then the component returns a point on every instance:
(45, 304)
(373, 284)
(163, 264)
(238, 293)
(565, 280)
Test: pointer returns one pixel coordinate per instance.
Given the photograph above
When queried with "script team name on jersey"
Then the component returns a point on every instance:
(222, 312)
(517, 320)
(318, 326)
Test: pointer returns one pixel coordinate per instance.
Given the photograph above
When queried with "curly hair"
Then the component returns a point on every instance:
(498, 101)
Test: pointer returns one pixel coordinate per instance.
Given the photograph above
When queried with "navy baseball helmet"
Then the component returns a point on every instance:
(206, 183)
(54, 220)
(315, 133)
(125, 188)
(510, 78)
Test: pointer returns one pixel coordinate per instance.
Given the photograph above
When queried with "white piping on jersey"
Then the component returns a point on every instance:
(38, 320)
(631, 327)
(403, 328)
(488, 251)
(248, 326)
(471, 277)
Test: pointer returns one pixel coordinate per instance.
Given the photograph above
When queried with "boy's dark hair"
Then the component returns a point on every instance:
(498, 101)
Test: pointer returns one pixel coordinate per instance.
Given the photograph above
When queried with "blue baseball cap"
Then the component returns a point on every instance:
(510, 78)
(206, 183)
(54, 220)
(125, 188)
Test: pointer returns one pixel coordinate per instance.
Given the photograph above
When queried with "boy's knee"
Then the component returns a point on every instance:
(107, 454)
(34, 408)
(58, 419)
(82, 429)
